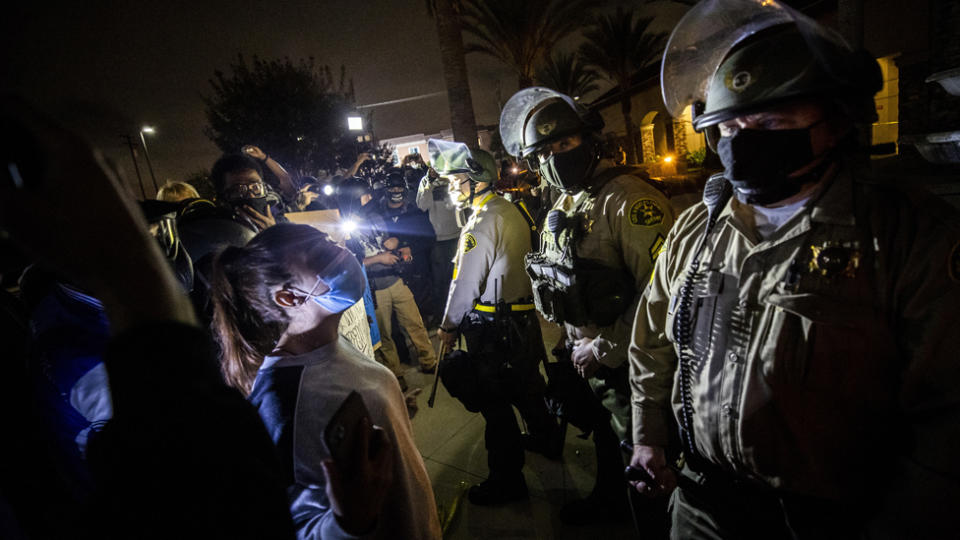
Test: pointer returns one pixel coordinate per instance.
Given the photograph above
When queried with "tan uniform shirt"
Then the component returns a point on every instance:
(828, 355)
(626, 224)
(490, 256)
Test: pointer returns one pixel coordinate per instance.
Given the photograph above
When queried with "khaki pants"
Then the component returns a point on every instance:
(398, 298)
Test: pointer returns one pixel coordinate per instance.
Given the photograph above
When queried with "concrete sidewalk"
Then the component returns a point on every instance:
(451, 441)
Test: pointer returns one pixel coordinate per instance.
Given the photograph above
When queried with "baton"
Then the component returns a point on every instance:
(436, 375)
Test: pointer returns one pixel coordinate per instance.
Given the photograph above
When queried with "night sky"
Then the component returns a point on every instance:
(108, 67)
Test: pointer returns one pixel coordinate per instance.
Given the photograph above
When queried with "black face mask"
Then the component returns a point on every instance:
(758, 162)
(569, 170)
(259, 204)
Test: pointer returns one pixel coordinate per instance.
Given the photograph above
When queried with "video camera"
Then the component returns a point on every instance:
(379, 163)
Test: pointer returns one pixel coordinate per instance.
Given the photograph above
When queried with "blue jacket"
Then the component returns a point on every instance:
(70, 334)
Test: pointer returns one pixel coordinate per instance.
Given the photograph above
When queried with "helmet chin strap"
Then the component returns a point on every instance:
(588, 177)
(474, 192)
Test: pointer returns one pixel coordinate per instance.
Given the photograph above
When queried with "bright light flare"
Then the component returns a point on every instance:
(349, 226)
(148, 130)
(355, 123)
(668, 159)
(515, 170)
(328, 190)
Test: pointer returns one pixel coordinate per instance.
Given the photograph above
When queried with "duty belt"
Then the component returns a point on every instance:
(492, 308)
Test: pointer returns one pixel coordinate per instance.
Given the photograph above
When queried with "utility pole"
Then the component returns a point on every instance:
(133, 156)
(146, 153)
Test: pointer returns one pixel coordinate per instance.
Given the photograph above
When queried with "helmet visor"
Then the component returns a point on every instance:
(711, 29)
(448, 157)
(514, 116)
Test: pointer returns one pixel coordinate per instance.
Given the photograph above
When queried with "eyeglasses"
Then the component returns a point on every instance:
(246, 191)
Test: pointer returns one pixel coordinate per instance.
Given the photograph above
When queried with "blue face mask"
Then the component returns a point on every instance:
(345, 278)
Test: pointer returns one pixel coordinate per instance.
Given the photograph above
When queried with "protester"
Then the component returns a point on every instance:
(412, 168)
(70, 333)
(311, 196)
(174, 191)
(282, 181)
(412, 228)
(238, 181)
(380, 255)
(277, 303)
(154, 463)
(432, 198)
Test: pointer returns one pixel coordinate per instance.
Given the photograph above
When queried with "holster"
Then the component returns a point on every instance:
(569, 396)
(459, 376)
(483, 372)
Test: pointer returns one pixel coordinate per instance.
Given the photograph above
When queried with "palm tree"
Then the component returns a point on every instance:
(617, 45)
(452, 56)
(521, 33)
(566, 73)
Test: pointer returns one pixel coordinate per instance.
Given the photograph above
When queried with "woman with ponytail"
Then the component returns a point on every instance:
(277, 305)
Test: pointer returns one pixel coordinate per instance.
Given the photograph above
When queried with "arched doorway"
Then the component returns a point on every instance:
(656, 136)
(648, 145)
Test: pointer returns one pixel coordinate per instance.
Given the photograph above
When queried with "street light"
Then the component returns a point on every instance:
(150, 131)
(355, 123)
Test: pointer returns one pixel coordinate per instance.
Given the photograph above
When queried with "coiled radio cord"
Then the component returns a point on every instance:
(715, 195)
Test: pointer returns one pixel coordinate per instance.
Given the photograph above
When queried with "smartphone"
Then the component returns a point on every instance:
(342, 434)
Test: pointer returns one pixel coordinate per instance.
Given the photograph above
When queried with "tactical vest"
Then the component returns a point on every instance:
(574, 290)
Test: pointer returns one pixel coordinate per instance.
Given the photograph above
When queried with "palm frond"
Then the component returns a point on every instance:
(618, 44)
(567, 74)
(521, 34)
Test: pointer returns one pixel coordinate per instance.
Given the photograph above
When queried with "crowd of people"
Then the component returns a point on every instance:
(774, 362)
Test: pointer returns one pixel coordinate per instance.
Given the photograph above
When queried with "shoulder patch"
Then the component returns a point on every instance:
(469, 242)
(656, 248)
(646, 212)
(953, 263)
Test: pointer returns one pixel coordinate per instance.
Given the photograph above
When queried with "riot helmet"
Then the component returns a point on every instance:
(462, 164)
(731, 58)
(535, 118)
(734, 58)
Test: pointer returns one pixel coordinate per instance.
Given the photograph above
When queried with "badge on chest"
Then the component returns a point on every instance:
(832, 259)
(823, 266)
